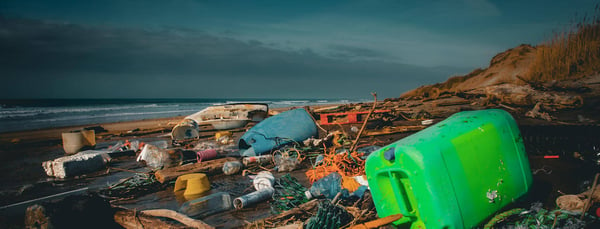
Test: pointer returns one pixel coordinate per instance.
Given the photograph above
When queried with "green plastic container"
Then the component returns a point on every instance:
(454, 174)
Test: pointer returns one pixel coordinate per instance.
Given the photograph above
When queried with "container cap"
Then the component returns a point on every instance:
(308, 195)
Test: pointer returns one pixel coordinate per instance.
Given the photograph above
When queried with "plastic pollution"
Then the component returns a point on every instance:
(328, 186)
(77, 164)
(206, 155)
(286, 160)
(208, 205)
(263, 159)
(368, 149)
(286, 127)
(263, 179)
(156, 157)
(253, 197)
(454, 174)
(223, 137)
(193, 183)
(232, 167)
(78, 140)
(186, 129)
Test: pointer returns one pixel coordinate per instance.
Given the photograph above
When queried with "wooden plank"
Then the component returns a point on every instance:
(209, 167)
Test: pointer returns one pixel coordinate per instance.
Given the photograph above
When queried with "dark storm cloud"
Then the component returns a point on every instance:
(54, 59)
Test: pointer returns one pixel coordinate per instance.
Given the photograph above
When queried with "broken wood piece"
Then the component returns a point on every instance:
(378, 222)
(208, 167)
(394, 130)
(178, 217)
(133, 219)
(301, 210)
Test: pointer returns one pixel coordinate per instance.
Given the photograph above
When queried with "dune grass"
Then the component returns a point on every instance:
(570, 54)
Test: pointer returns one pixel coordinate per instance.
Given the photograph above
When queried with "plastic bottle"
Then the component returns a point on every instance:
(263, 159)
(208, 205)
(253, 198)
(328, 186)
(232, 167)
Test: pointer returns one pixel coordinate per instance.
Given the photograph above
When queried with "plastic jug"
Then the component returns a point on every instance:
(454, 174)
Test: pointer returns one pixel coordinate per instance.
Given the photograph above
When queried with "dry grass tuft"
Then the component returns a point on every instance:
(571, 54)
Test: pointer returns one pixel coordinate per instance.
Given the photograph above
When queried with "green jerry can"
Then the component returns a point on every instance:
(454, 174)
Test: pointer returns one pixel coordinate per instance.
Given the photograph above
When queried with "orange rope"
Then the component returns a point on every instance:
(346, 164)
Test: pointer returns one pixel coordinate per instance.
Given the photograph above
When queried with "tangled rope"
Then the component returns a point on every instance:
(346, 164)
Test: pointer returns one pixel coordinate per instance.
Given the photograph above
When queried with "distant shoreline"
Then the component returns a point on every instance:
(111, 127)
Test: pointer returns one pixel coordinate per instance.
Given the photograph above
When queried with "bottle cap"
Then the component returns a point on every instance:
(308, 195)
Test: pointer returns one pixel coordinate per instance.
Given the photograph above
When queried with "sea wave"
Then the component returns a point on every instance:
(92, 117)
(28, 112)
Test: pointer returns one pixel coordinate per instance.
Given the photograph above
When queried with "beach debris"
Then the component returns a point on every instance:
(263, 179)
(329, 216)
(195, 223)
(403, 161)
(378, 222)
(328, 186)
(345, 163)
(263, 183)
(131, 187)
(206, 155)
(252, 198)
(134, 219)
(570, 203)
(346, 117)
(257, 160)
(208, 205)
(221, 117)
(319, 142)
(232, 167)
(193, 183)
(289, 193)
(78, 140)
(77, 164)
(211, 167)
(157, 157)
(538, 217)
(537, 112)
(287, 159)
(287, 127)
(427, 122)
(224, 137)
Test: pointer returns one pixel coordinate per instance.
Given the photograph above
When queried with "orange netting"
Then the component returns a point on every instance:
(346, 164)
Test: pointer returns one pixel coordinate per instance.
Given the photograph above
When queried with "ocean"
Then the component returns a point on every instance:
(31, 114)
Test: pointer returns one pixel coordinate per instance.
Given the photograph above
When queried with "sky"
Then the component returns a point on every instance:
(258, 49)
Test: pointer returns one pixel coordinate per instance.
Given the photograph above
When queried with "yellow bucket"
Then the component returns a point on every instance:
(193, 183)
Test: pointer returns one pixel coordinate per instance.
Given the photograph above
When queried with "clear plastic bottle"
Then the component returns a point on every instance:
(232, 167)
(208, 205)
(328, 186)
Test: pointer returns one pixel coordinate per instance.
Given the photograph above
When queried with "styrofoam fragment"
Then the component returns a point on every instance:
(77, 164)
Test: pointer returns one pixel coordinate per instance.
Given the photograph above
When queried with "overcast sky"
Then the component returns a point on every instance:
(258, 49)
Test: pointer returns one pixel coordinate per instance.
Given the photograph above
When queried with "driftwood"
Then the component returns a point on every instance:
(394, 130)
(378, 222)
(179, 217)
(134, 219)
(208, 167)
(302, 212)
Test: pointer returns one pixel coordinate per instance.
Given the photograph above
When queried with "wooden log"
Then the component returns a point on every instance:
(209, 167)
(134, 219)
(179, 217)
